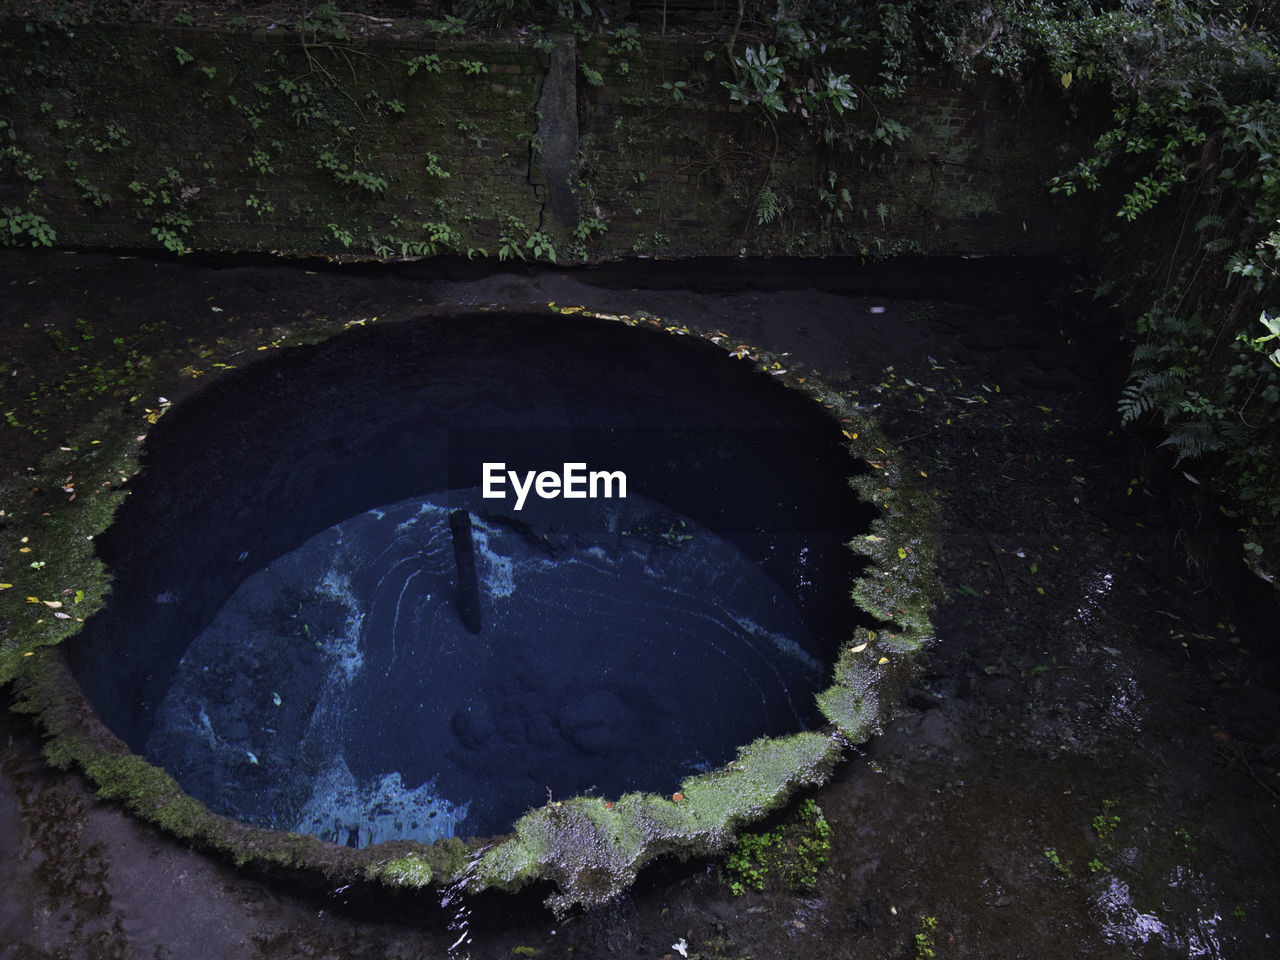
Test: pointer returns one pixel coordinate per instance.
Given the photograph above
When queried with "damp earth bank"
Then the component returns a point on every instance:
(1082, 673)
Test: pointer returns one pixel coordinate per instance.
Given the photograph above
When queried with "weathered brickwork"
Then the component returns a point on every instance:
(223, 140)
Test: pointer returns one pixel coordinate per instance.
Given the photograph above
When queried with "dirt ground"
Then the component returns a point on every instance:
(1085, 766)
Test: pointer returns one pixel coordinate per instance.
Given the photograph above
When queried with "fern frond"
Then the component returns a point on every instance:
(1194, 439)
(1133, 403)
(1146, 351)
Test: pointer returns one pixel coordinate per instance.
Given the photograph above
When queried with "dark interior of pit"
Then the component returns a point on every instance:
(668, 646)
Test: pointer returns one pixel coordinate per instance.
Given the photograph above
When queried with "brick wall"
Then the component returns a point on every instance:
(221, 140)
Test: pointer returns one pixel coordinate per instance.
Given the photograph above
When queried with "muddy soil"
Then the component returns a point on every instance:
(1085, 766)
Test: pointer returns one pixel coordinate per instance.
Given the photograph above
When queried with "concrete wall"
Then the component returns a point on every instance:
(223, 140)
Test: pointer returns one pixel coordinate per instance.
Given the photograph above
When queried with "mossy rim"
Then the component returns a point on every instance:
(592, 848)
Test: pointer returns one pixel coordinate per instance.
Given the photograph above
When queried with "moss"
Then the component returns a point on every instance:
(60, 539)
(413, 864)
(854, 714)
(593, 849)
(182, 815)
(411, 870)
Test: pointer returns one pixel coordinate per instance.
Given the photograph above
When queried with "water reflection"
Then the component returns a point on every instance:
(1122, 922)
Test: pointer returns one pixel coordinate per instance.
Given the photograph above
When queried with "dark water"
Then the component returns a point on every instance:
(624, 646)
(278, 453)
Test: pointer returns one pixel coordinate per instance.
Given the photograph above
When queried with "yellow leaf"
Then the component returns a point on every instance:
(883, 661)
(902, 554)
(5, 586)
(33, 599)
(859, 648)
(1066, 80)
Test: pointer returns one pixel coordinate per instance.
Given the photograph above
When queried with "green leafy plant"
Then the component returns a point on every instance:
(540, 245)
(793, 853)
(760, 76)
(1192, 149)
(434, 167)
(260, 160)
(342, 235)
(259, 206)
(924, 939)
(1060, 864)
(511, 242)
(439, 238)
(450, 26)
(768, 206)
(345, 173)
(426, 62)
(16, 224)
